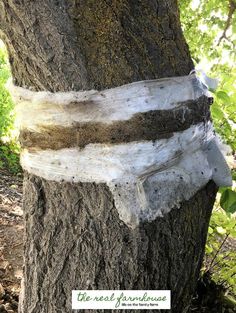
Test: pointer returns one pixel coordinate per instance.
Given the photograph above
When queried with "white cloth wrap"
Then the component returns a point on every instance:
(147, 179)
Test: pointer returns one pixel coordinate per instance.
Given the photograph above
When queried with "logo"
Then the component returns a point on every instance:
(121, 299)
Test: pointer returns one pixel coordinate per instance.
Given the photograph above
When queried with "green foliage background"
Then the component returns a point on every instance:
(211, 35)
(203, 26)
(9, 148)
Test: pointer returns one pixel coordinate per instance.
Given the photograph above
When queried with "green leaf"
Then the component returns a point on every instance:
(222, 95)
(220, 230)
(209, 249)
(210, 230)
(217, 112)
(232, 208)
(228, 200)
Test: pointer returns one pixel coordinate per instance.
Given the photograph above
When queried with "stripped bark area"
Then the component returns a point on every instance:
(151, 125)
(74, 237)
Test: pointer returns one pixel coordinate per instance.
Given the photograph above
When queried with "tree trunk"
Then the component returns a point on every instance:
(74, 236)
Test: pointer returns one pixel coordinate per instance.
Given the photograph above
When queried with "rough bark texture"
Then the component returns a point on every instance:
(74, 237)
(75, 240)
(71, 45)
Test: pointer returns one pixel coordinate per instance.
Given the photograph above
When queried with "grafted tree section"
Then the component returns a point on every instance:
(74, 237)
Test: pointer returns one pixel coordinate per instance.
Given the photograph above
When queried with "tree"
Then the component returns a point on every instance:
(74, 236)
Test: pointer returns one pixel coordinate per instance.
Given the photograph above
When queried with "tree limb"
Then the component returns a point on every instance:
(232, 8)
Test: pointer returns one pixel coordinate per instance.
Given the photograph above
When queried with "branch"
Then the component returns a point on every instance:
(232, 8)
(217, 252)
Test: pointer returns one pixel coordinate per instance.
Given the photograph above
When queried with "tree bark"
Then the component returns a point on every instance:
(74, 237)
(72, 45)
